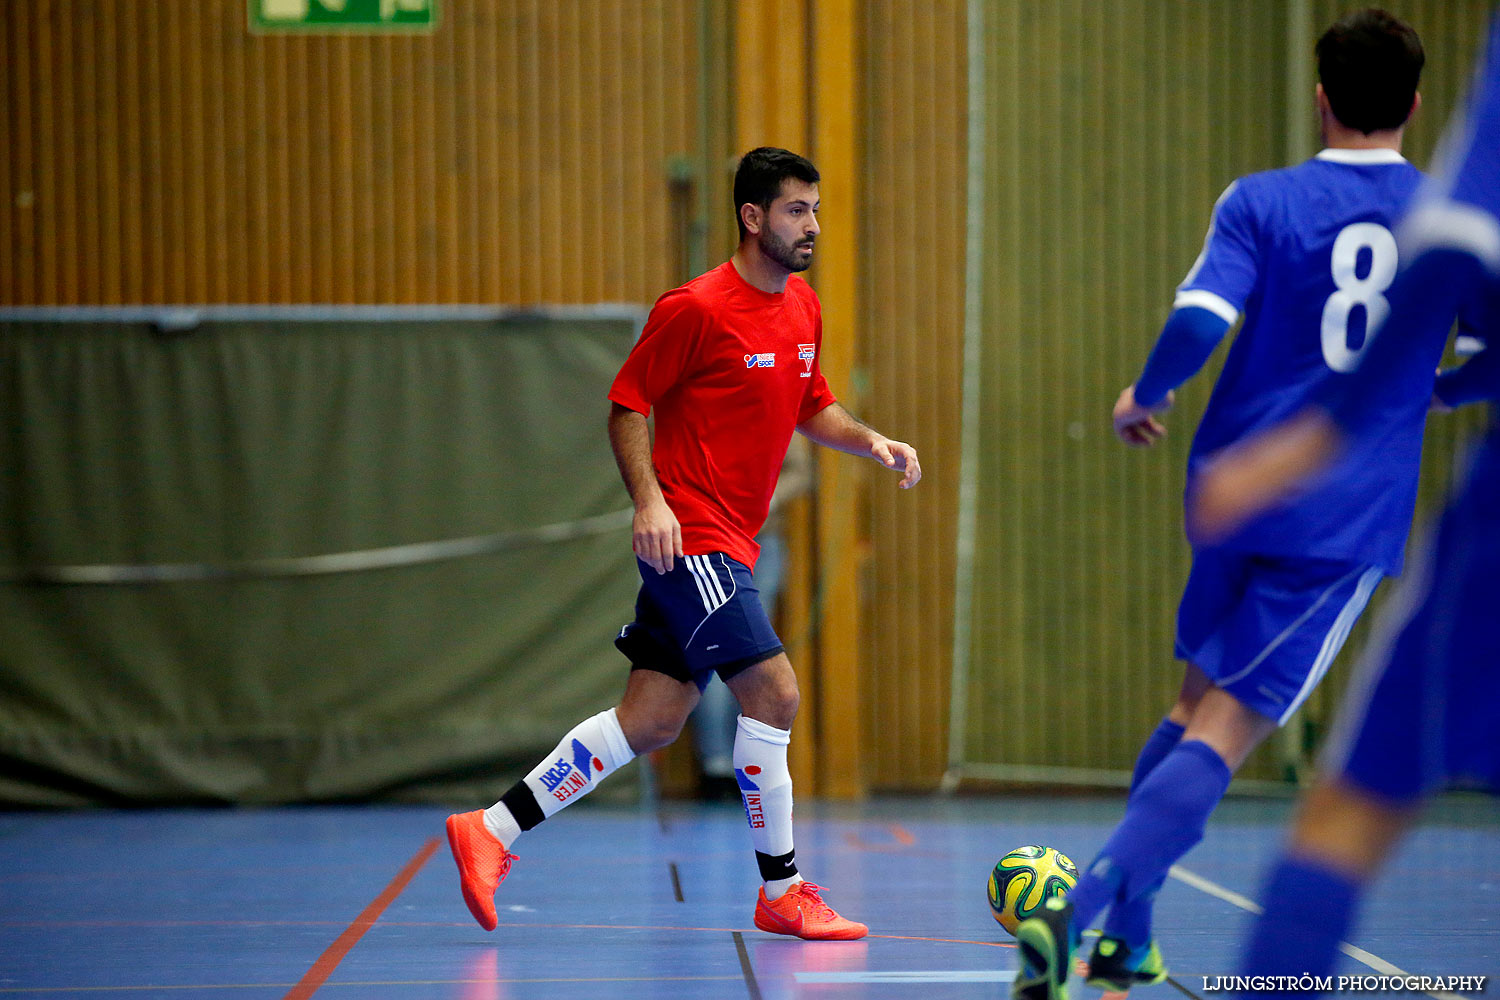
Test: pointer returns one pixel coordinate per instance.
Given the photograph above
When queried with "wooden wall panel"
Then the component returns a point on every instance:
(154, 153)
(1113, 128)
(915, 114)
(158, 152)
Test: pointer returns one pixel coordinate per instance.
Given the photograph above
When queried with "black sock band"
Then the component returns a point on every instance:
(778, 867)
(522, 805)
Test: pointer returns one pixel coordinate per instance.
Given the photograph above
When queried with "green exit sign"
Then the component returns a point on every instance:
(327, 16)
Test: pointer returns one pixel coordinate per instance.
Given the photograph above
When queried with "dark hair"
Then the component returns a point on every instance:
(758, 179)
(1369, 63)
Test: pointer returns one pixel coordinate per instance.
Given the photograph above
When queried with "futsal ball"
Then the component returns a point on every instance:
(1025, 879)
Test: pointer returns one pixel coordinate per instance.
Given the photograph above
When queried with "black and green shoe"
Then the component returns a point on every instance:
(1116, 968)
(1045, 943)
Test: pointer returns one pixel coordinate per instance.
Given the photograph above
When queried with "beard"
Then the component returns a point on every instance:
(784, 253)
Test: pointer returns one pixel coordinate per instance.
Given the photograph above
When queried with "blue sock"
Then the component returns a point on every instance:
(1130, 921)
(1309, 908)
(1161, 742)
(1164, 818)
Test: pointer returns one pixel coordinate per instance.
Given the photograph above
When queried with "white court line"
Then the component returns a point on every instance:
(908, 976)
(1355, 952)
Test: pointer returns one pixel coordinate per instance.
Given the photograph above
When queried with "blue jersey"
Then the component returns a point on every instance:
(1306, 254)
(1432, 693)
(1450, 252)
(1449, 249)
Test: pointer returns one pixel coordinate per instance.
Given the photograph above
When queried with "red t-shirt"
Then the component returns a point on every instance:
(732, 371)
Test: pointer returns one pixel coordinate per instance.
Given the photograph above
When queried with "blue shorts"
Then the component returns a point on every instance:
(1423, 710)
(705, 615)
(1267, 628)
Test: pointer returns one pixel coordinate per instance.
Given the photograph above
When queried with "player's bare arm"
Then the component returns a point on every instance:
(655, 533)
(1137, 425)
(837, 428)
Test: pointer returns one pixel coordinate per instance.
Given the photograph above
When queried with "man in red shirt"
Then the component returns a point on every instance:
(730, 363)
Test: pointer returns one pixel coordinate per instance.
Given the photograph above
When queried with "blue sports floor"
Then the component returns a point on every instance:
(357, 902)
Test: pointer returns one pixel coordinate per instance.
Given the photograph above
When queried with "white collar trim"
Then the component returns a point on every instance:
(1361, 156)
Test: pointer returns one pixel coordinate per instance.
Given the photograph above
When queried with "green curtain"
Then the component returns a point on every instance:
(231, 452)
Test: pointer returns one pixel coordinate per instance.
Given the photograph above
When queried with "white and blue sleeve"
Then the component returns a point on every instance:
(1225, 273)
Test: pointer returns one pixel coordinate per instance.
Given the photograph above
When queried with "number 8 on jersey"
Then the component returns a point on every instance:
(1369, 291)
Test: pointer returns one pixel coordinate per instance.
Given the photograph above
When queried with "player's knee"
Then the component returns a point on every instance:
(649, 728)
(653, 734)
(779, 705)
(767, 692)
(1195, 684)
(1182, 711)
(778, 709)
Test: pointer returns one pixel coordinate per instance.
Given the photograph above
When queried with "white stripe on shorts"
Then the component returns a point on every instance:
(1334, 641)
(713, 577)
(1287, 632)
(729, 575)
(703, 592)
(1395, 615)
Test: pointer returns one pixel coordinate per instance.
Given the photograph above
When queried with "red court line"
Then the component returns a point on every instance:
(908, 937)
(903, 838)
(330, 959)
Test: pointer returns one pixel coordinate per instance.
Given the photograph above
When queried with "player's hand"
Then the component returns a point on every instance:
(1254, 475)
(657, 536)
(898, 455)
(1137, 425)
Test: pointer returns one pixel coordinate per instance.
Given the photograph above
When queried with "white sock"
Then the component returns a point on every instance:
(766, 785)
(777, 887)
(592, 751)
(501, 824)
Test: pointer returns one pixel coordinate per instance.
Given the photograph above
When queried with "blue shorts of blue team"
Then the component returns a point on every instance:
(1267, 628)
(703, 617)
(1422, 711)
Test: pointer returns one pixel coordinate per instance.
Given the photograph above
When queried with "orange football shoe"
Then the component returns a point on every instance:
(483, 863)
(802, 913)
